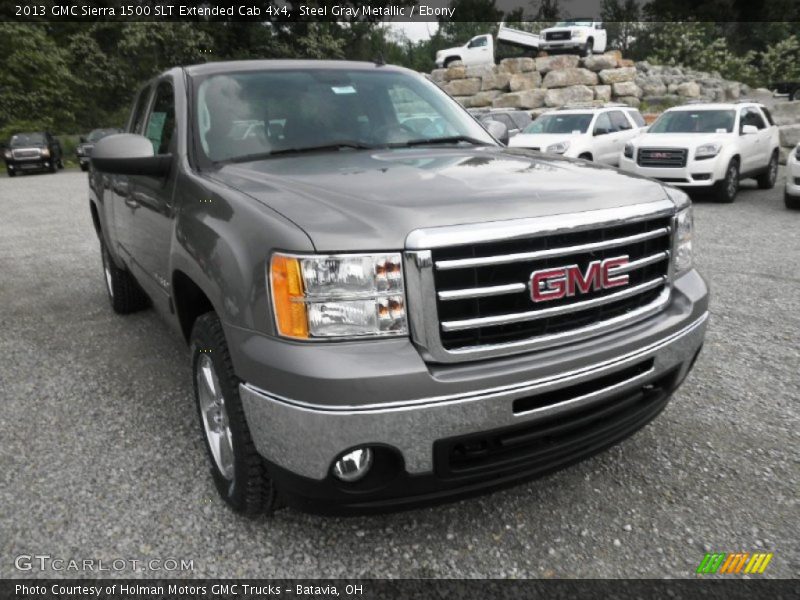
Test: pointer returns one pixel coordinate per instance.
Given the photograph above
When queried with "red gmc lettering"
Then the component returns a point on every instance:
(552, 284)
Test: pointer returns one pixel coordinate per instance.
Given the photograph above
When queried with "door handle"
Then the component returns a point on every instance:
(121, 187)
(131, 203)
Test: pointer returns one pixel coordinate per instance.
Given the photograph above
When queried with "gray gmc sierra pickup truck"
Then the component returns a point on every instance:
(385, 310)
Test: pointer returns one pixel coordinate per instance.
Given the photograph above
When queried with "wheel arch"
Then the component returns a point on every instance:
(189, 300)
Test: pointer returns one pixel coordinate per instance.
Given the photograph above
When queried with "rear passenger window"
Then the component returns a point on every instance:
(139, 112)
(637, 117)
(161, 122)
(619, 122)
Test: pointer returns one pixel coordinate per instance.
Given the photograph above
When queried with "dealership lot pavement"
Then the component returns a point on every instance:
(101, 457)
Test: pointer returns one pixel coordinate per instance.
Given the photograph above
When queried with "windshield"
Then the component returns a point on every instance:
(27, 139)
(98, 134)
(243, 115)
(559, 123)
(694, 121)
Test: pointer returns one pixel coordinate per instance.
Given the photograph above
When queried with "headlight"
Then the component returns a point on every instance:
(338, 296)
(45, 152)
(577, 33)
(558, 148)
(628, 150)
(8, 154)
(797, 152)
(707, 151)
(683, 259)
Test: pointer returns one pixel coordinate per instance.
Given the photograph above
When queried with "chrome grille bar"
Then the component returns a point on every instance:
(553, 311)
(464, 263)
(515, 288)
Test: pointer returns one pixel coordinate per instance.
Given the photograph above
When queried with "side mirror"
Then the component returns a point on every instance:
(129, 154)
(749, 129)
(498, 130)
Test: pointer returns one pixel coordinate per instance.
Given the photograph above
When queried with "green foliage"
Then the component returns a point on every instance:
(621, 19)
(781, 61)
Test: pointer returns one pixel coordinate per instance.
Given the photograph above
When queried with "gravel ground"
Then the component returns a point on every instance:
(101, 456)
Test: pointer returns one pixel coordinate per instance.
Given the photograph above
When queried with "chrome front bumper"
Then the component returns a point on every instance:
(306, 438)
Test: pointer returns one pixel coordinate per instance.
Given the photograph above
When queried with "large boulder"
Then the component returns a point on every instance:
(496, 81)
(567, 77)
(438, 75)
(523, 64)
(479, 70)
(732, 91)
(545, 64)
(524, 99)
(598, 62)
(790, 135)
(525, 81)
(465, 101)
(615, 54)
(653, 87)
(452, 73)
(602, 93)
(568, 95)
(484, 98)
(786, 113)
(463, 87)
(688, 89)
(618, 75)
(630, 101)
(626, 88)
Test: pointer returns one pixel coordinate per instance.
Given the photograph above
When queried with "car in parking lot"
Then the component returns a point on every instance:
(83, 151)
(708, 147)
(34, 151)
(591, 133)
(378, 319)
(514, 120)
(791, 195)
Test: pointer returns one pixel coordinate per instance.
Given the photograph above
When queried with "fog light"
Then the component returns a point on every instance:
(353, 465)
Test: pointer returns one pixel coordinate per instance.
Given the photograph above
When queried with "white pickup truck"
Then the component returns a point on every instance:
(584, 35)
(480, 50)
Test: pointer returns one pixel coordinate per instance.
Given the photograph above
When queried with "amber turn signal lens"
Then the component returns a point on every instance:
(287, 295)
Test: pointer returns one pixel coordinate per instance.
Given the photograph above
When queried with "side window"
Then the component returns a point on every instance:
(753, 117)
(768, 115)
(139, 112)
(161, 122)
(478, 42)
(602, 125)
(637, 118)
(618, 121)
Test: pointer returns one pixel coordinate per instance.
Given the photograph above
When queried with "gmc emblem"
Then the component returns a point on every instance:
(660, 155)
(552, 284)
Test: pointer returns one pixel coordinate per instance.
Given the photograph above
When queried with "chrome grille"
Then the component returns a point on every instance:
(662, 157)
(557, 35)
(477, 296)
(26, 153)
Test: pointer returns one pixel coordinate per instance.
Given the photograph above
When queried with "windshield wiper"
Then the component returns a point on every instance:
(452, 139)
(320, 148)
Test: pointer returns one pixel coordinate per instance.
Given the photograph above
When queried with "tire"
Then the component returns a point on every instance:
(60, 164)
(727, 189)
(588, 49)
(84, 167)
(238, 470)
(124, 293)
(585, 156)
(11, 172)
(791, 202)
(766, 181)
(53, 167)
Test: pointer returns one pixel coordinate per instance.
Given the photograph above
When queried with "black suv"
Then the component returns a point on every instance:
(84, 149)
(37, 151)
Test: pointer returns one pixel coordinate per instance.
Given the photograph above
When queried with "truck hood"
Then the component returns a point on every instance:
(371, 200)
(679, 140)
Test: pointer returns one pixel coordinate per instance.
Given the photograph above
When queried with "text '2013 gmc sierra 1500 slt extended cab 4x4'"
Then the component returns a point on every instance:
(378, 319)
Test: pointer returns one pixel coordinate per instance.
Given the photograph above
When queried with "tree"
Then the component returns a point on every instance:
(474, 18)
(546, 10)
(621, 18)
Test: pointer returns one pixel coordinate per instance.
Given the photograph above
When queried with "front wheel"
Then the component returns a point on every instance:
(84, 166)
(728, 188)
(766, 181)
(588, 49)
(237, 468)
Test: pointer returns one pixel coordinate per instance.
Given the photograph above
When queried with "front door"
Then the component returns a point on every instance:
(152, 200)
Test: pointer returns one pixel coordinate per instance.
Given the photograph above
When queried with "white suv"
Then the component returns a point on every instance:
(791, 194)
(591, 133)
(708, 146)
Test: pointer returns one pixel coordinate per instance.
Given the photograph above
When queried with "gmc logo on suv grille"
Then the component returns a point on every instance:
(552, 284)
